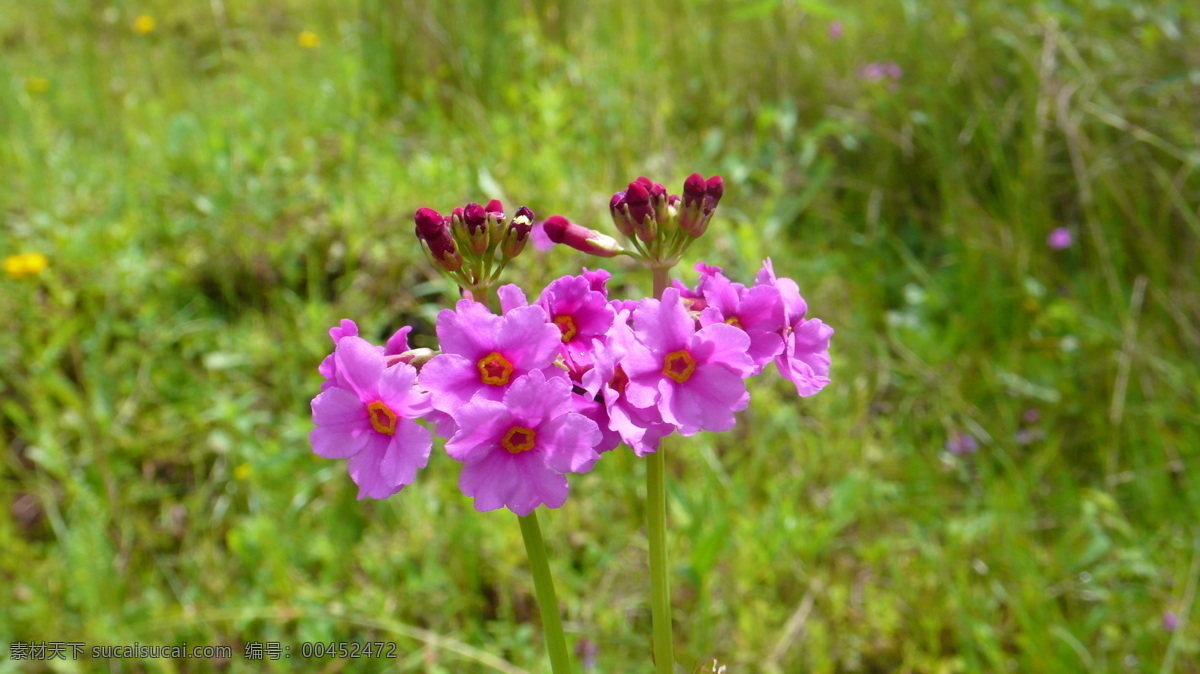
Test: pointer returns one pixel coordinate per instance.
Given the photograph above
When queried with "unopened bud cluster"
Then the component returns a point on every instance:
(474, 243)
(659, 226)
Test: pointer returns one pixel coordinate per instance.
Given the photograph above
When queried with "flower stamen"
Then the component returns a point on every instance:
(519, 439)
(494, 369)
(733, 320)
(679, 365)
(383, 419)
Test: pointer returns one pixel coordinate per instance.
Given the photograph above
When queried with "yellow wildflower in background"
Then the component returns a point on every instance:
(243, 472)
(309, 39)
(25, 264)
(36, 85)
(143, 24)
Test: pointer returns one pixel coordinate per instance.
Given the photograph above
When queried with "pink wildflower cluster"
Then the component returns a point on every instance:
(544, 388)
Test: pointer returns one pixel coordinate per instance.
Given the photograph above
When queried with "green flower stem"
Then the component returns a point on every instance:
(656, 522)
(556, 642)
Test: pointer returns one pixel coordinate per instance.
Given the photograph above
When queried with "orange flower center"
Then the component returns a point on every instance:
(383, 419)
(566, 323)
(519, 439)
(619, 381)
(733, 320)
(679, 365)
(494, 369)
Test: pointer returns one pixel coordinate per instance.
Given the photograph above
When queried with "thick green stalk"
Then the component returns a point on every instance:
(656, 522)
(556, 642)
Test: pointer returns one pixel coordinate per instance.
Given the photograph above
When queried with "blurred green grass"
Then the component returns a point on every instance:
(212, 196)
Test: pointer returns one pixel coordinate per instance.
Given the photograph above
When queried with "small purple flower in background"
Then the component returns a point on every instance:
(1170, 621)
(1060, 239)
(696, 378)
(538, 237)
(835, 30)
(879, 70)
(1031, 415)
(366, 416)
(516, 450)
(961, 444)
(587, 650)
(483, 354)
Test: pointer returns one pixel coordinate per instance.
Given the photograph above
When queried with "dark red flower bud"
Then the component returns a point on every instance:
(693, 190)
(494, 206)
(474, 217)
(620, 214)
(445, 253)
(518, 233)
(561, 230)
(714, 189)
(429, 223)
(641, 213)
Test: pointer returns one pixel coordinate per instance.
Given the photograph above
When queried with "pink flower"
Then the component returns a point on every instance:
(962, 443)
(516, 450)
(873, 72)
(1060, 238)
(396, 345)
(758, 311)
(483, 354)
(639, 428)
(696, 378)
(366, 416)
(580, 314)
(804, 360)
(835, 30)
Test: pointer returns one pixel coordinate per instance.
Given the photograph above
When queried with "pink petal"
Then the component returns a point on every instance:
(342, 423)
(359, 365)
(533, 399)
(467, 331)
(490, 480)
(537, 485)
(365, 471)
(452, 380)
(480, 425)
(397, 390)
(663, 326)
(527, 340)
(407, 453)
(511, 297)
(569, 441)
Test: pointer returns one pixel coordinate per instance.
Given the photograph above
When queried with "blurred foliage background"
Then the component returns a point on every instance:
(215, 183)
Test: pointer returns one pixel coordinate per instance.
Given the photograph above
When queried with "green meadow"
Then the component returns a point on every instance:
(213, 188)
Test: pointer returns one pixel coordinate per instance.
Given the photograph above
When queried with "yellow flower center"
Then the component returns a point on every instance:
(566, 323)
(733, 320)
(519, 439)
(494, 369)
(679, 365)
(383, 419)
